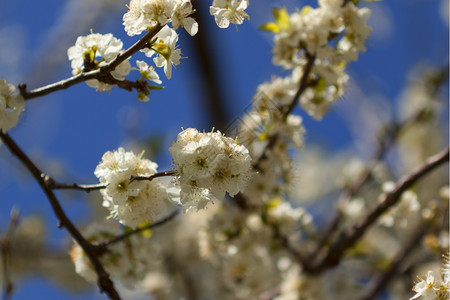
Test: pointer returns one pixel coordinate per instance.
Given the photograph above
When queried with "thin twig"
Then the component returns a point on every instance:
(304, 83)
(75, 186)
(104, 282)
(348, 238)
(103, 72)
(93, 187)
(102, 247)
(156, 175)
(353, 189)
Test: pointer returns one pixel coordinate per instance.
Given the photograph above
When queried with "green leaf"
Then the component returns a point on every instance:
(321, 85)
(155, 87)
(274, 202)
(305, 9)
(146, 232)
(262, 136)
(281, 17)
(272, 27)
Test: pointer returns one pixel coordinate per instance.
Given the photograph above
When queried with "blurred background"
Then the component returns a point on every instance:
(67, 132)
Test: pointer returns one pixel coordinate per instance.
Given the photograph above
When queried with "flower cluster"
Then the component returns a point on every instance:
(132, 202)
(330, 31)
(11, 105)
(94, 51)
(145, 14)
(332, 35)
(311, 44)
(229, 11)
(289, 219)
(240, 242)
(209, 161)
(405, 212)
(269, 110)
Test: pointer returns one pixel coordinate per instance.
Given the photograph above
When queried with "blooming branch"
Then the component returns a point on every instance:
(99, 74)
(104, 282)
(349, 238)
(389, 134)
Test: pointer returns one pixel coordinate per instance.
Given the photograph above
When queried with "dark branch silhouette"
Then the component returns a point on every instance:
(104, 282)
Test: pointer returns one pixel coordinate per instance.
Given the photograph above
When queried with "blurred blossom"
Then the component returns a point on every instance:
(29, 239)
(314, 177)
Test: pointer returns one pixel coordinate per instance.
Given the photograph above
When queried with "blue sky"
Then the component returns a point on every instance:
(67, 132)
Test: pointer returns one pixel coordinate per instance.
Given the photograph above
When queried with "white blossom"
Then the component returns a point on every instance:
(145, 14)
(288, 218)
(405, 212)
(181, 17)
(132, 202)
(311, 29)
(165, 48)
(229, 11)
(425, 289)
(11, 105)
(191, 196)
(148, 72)
(210, 161)
(94, 51)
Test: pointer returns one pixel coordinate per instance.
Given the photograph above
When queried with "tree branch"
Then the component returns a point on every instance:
(156, 175)
(211, 86)
(303, 84)
(349, 238)
(102, 247)
(52, 184)
(435, 223)
(104, 282)
(380, 283)
(386, 138)
(302, 87)
(99, 74)
(75, 186)
(389, 135)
